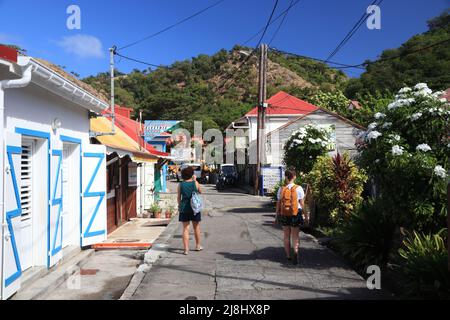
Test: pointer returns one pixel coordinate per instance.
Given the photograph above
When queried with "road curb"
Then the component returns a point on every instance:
(158, 249)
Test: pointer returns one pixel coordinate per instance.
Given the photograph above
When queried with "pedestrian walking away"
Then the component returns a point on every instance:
(289, 212)
(187, 188)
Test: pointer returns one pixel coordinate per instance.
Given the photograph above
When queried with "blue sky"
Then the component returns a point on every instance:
(313, 28)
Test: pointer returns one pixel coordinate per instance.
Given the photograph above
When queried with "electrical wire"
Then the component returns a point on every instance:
(255, 49)
(281, 23)
(141, 62)
(171, 26)
(352, 31)
(272, 22)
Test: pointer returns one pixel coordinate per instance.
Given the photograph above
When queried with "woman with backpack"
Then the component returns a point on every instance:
(289, 210)
(186, 191)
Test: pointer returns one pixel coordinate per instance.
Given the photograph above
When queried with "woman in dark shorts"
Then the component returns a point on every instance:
(291, 224)
(185, 190)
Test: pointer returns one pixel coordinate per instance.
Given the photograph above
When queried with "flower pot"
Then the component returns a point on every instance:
(168, 214)
(158, 215)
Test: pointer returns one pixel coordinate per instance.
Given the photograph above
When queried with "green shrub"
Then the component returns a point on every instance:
(367, 238)
(337, 185)
(406, 151)
(305, 146)
(425, 265)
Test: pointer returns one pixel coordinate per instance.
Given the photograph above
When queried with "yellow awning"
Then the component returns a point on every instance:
(120, 140)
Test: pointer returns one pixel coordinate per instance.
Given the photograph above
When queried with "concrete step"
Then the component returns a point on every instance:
(37, 287)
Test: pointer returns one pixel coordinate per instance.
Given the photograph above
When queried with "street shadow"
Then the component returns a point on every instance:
(250, 210)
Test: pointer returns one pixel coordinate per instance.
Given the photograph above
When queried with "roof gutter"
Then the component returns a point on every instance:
(52, 81)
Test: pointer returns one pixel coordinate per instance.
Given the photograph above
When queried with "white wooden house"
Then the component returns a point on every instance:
(53, 178)
(344, 134)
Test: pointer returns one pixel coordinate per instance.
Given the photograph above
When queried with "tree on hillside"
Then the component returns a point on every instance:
(431, 65)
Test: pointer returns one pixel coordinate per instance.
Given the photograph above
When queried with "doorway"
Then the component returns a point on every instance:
(70, 214)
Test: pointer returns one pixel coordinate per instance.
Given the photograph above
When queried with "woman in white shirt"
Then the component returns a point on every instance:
(290, 206)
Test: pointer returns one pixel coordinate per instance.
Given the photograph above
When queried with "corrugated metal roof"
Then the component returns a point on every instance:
(284, 104)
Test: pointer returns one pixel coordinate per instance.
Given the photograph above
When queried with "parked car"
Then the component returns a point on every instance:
(197, 171)
(228, 176)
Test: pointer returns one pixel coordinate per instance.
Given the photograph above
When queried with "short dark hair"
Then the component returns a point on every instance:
(187, 173)
(290, 174)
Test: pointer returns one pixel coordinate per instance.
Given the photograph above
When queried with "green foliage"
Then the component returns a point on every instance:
(426, 265)
(337, 185)
(406, 151)
(305, 146)
(367, 238)
(431, 65)
(334, 101)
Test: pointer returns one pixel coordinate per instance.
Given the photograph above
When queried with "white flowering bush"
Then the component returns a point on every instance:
(406, 151)
(305, 146)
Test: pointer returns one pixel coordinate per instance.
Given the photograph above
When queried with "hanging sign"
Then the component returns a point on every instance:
(154, 128)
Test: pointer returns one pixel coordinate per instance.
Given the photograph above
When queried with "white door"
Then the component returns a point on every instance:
(149, 184)
(67, 192)
(12, 269)
(26, 200)
(93, 219)
(56, 198)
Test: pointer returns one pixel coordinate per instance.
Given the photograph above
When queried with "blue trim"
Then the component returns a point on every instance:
(33, 133)
(10, 150)
(88, 193)
(70, 139)
(57, 202)
(43, 135)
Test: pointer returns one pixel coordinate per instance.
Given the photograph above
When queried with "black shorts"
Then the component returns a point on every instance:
(190, 216)
(292, 221)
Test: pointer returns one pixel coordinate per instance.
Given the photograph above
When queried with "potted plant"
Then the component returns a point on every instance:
(170, 211)
(156, 211)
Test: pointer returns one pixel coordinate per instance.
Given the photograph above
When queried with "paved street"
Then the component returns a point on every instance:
(244, 259)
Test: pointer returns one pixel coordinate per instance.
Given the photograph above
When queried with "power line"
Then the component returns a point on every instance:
(401, 55)
(255, 49)
(352, 31)
(140, 61)
(173, 25)
(340, 65)
(281, 23)
(273, 21)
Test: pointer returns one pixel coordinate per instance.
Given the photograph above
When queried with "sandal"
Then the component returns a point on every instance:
(199, 248)
(186, 253)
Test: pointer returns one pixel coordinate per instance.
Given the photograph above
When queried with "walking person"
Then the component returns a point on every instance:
(289, 211)
(186, 188)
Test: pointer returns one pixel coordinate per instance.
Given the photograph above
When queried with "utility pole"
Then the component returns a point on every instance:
(112, 52)
(262, 105)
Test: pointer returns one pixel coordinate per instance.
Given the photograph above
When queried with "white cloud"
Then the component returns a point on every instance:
(84, 46)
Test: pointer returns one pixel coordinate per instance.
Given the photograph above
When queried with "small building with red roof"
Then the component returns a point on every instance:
(282, 108)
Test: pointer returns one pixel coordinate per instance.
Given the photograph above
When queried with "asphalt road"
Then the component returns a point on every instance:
(244, 259)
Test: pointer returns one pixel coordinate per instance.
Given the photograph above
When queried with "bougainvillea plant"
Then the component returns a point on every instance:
(405, 150)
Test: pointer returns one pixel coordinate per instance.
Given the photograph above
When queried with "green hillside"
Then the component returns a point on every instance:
(213, 88)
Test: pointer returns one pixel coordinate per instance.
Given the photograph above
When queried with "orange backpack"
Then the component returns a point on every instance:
(289, 201)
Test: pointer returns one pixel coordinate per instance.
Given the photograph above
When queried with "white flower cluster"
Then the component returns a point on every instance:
(394, 138)
(302, 133)
(379, 115)
(373, 135)
(401, 103)
(397, 150)
(440, 172)
(423, 147)
(416, 116)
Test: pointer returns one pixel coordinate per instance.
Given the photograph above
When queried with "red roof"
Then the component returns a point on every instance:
(284, 104)
(134, 130)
